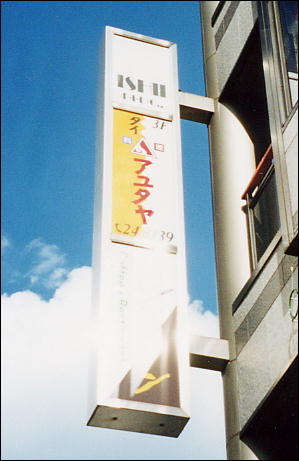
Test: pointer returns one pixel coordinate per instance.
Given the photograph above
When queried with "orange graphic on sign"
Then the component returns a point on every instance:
(142, 147)
(131, 183)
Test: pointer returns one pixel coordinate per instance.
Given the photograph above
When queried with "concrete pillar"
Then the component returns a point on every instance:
(232, 164)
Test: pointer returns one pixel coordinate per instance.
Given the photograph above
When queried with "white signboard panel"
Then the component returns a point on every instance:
(144, 77)
(141, 346)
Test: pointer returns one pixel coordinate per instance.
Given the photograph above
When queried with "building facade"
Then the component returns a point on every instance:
(251, 71)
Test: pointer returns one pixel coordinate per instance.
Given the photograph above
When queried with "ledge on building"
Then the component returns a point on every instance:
(272, 430)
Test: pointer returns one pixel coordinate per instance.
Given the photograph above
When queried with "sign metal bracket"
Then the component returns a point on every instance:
(195, 107)
(209, 353)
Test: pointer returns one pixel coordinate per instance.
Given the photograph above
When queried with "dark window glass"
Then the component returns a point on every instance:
(289, 25)
(266, 215)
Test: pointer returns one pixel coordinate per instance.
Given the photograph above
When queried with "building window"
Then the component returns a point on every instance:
(245, 95)
(288, 14)
(279, 37)
(262, 212)
(281, 21)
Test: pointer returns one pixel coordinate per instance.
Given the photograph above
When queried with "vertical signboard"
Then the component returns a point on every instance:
(141, 348)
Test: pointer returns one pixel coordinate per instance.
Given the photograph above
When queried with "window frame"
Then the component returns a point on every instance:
(279, 49)
(279, 112)
(280, 115)
(264, 172)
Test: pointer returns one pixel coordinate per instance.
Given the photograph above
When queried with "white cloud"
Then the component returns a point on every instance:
(45, 357)
(48, 264)
(40, 264)
(202, 322)
(56, 277)
(4, 242)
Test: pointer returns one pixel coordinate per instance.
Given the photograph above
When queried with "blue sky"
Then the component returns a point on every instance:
(49, 87)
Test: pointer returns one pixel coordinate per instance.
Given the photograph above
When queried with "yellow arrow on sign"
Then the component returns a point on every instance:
(153, 382)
